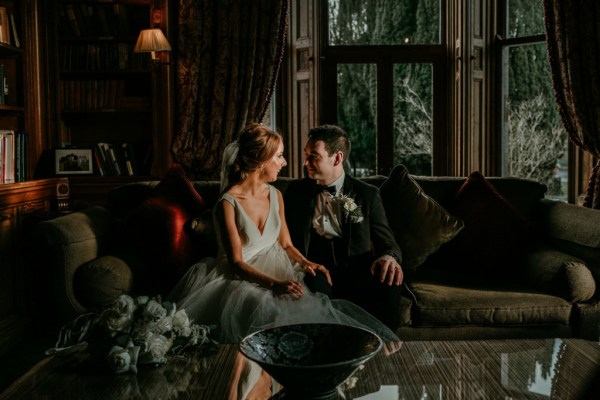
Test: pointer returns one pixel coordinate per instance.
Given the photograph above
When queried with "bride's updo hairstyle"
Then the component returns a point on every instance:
(257, 145)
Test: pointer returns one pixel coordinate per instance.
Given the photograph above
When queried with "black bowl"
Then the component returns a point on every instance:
(311, 360)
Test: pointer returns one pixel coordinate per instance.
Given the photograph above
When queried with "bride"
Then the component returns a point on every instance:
(256, 281)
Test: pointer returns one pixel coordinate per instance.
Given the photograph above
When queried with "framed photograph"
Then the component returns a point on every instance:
(73, 161)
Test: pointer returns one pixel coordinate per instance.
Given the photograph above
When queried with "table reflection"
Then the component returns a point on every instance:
(515, 369)
(486, 369)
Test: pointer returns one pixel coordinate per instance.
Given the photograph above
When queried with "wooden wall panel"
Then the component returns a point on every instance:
(302, 85)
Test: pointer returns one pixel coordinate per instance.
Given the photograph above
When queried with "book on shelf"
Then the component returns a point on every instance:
(115, 159)
(72, 19)
(102, 159)
(7, 137)
(128, 156)
(4, 26)
(2, 96)
(104, 19)
(97, 95)
(98, 164)
(20, 156)
(5, 88)
(15, 33)
(112, 155)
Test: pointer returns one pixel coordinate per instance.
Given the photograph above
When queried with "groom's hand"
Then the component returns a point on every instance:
(390, 272)
(312, 268)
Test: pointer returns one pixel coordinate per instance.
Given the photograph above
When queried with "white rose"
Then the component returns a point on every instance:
(350, 206)
(123, 359)
(141, 300)
(119, 316)
(156, 348)
(181, 323)
(164, 324)
(154, 310)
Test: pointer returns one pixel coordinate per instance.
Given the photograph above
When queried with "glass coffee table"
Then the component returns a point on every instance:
(479, 369)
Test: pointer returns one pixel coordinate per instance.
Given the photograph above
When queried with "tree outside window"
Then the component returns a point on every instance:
(535, 142)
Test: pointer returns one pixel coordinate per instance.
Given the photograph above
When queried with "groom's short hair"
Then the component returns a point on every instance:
(334, 138)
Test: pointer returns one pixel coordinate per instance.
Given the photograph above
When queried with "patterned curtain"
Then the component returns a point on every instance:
(229, 54)
(573, 41)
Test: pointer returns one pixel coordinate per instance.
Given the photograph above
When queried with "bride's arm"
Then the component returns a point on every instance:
(292, 252)
(232, 243)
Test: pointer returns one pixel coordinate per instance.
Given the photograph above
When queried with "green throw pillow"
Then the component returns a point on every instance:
(419, 223)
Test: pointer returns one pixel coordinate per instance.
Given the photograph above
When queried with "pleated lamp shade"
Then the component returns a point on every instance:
(151, 40)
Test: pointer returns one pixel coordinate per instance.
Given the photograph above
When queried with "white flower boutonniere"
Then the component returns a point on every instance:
(352, 211)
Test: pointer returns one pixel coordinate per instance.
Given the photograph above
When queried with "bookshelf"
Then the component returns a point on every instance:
(106, 95)
(12, 110)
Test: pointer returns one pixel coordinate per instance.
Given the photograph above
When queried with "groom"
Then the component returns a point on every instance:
(339, 221)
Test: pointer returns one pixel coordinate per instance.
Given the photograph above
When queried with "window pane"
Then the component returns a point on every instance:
(357, 113)
(413, 117)
(525, 18)
(383, 22)
(536, 140)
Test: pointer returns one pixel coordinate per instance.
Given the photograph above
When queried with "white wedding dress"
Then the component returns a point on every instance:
(212, 294)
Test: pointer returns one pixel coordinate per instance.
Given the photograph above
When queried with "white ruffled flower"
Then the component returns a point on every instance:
(142, 300)
(154, 310)
(181, 323)
(119, 316)
(156, 348)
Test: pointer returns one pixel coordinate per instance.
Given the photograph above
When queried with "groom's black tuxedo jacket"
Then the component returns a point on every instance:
(360, 241)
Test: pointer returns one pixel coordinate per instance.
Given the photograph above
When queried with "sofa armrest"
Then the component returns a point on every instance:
(559, 273)
(571, 229)
(66, 243)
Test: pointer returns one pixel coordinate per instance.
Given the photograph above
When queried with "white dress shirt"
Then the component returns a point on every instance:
(327, 217)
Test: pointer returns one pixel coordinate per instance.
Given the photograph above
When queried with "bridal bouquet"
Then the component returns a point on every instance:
(134, 331)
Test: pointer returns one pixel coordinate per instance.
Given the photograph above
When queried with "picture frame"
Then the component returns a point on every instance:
(74, 161)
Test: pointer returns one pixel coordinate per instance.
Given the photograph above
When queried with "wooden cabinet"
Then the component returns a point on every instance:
(104, 93)
(18, 202)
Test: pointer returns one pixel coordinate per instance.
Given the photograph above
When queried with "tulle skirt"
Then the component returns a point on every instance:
(212, 295)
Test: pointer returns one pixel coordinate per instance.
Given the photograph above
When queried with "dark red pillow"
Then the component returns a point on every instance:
(494, 233)
(159, 232)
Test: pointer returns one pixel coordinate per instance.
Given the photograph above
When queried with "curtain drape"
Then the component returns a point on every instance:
(573, 42)
(229, 54)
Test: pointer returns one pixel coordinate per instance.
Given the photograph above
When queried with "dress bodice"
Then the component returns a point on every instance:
(253, 241)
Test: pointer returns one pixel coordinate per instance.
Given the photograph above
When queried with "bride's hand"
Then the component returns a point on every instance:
(293, 288)
(311, 268)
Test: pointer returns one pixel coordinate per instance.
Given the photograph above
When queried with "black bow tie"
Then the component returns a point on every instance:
(325, 188)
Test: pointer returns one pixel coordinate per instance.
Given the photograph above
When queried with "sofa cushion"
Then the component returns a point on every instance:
(419, 223)
(160, 233)
(522, 194)
(99, 282)
(495, 233)
(482, 302)
(559, 273)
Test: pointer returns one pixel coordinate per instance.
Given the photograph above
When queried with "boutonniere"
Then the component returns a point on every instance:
(351, 210)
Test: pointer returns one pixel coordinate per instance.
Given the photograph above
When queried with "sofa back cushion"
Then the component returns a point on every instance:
(522, 194)
(495, 233)
(419, 223)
